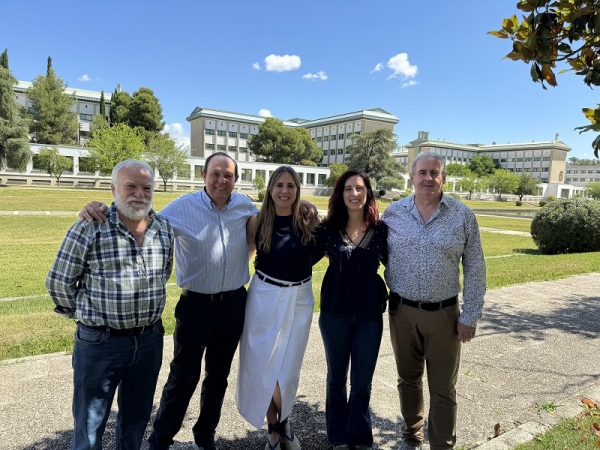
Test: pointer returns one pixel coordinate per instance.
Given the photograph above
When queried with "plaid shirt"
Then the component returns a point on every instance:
(102, 276)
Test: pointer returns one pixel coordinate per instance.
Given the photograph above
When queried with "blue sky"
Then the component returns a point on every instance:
(429, 63)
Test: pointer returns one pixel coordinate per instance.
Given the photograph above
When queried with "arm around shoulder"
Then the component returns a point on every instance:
(251, 228)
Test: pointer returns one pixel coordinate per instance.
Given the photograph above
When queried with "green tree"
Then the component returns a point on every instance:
(98, 122)
(483, 165)
(371, 152)
(120, 102)
(55, 164)
(14, 128)
(102, 105)
(471, 182)
(167, 157)
(557, 31)
(527, 186)
(277, 144)
(109, 146)
(258, 183)
(504, 182)
(145, 111)
(574, 161)
(53, 122)
(456, 170)
(335, 171)
(592, 189)
(389, 183)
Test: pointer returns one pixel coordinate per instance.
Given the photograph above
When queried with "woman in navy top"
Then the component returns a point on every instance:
(279, 310)
(353, 299)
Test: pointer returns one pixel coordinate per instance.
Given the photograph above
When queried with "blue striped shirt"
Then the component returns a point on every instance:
(210, 244)
(424, 258)
(102, 276)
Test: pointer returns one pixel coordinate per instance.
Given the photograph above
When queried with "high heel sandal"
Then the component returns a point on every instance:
(274, 428)
(291, 441)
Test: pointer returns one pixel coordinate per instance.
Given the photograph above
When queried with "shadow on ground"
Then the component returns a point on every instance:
(309, 425)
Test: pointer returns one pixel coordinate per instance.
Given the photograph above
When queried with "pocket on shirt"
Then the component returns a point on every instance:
(89, 336)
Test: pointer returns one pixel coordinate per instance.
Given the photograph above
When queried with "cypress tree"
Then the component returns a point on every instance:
(102, 105)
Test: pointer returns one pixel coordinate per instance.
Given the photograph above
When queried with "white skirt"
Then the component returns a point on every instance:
(272, 347)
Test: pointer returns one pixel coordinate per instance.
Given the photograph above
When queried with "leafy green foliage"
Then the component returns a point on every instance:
(554, 32)
(483, 165)
(110, 146)
(258, 183)
(278, 144)
(371, 152)
(527, 186)
(335, 171)
(390, 183)
(470, 182)
(167, 157)
(592, 189)
(55, 164)
(567, 226)
(102, 105)
(53, 122)
(457, 170)
(120, 103)
(14, 128)
(145, 111)
(574, 161)
(504, 182)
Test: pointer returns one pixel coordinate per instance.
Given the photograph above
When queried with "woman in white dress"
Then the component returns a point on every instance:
(279, 310)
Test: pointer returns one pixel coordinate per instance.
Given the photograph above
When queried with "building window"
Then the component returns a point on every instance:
(348, 135)
(340, 151)
(503, 160)
(244, 135)
(546, 158)
(527, 159)
(85, 116)
(325, 152)
(333, 136)
(247, 175)
(325, 138)
(243, 149)
(310, 178)
(208, 131)
(262, 174)
(537, 158)
(318, 138)
(233, 134)
(221, 133)
(209, 146)
(519, 159)
(322, 178)
(221, 148)
(340, 136)
(358, 132)
(232, 148)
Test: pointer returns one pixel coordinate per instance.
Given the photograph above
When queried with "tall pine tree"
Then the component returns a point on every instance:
(14, 130)
(102, 105)
(119, 107)
(53, 121)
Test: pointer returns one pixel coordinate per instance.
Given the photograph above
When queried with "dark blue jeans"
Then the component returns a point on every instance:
(354, 340)
(101, 365)
(203, 327)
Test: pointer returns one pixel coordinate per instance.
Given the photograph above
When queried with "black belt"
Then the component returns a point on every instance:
(212, 297)
(425, 306)
(119, 332)
(269, 280)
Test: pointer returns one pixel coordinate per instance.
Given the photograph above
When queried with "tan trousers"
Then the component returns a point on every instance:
(426, 339)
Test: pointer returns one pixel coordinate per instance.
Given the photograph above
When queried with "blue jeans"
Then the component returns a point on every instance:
(204, 328)
(101, 365)
(349, 339)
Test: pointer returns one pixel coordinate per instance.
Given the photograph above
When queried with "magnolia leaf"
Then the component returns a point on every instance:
(499, 34)
(548, 75)
(534, 73)
(507, 25)
(590, 114)
(497, 430)
(525, 6)
(514, 56)
(588, 401)
(564, 47)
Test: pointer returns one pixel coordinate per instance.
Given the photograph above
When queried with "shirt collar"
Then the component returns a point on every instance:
(205, 198)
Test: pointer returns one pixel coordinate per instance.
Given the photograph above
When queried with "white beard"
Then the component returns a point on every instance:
(125, 207)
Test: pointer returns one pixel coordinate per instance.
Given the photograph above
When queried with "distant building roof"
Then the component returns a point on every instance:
(81, 94)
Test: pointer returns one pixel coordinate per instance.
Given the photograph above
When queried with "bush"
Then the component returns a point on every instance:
(543, 202)
(519, 203)
(453, 195)
(261, 196)
(395, 199)
(551, 198)
(381, 192)
(567, 226)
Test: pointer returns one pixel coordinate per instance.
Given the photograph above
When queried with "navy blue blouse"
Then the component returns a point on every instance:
(351, 283)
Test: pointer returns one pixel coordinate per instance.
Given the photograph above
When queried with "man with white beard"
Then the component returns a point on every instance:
(111, 279)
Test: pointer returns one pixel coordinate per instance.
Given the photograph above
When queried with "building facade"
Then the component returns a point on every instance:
(582, 175)
(212, 130)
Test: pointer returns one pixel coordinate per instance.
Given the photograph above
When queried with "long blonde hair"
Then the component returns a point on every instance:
(302, 227)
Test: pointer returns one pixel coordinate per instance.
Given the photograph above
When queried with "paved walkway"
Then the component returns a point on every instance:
(537, 343)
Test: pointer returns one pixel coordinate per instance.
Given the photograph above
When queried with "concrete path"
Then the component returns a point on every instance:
(537, 343)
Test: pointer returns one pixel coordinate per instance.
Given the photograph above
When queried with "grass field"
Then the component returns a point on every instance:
(29, 327)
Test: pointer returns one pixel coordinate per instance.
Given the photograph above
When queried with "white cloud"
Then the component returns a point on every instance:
(401, 68)
(320, 75)
(282, 63)
(264, 113)
(178, 134)
(256, 66)
(377, 68)
(84, 78)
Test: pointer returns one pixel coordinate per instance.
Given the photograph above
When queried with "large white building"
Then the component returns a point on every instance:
(582, 175)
